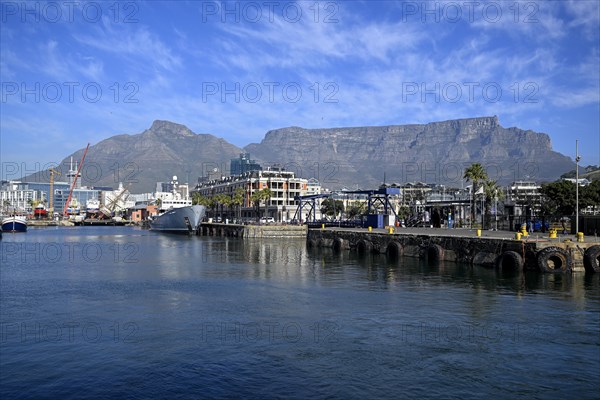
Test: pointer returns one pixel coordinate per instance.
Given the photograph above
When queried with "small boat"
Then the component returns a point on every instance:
(178, 220)
(74, 208)
(40, 212)
(15, 223)
(92, 206)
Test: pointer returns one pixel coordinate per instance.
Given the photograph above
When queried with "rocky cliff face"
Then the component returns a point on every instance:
(352, 157)
(435, 152)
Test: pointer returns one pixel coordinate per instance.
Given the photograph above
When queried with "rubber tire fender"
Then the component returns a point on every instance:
(364, 247)
(510, 261)
(435, 253)
(549, 257)
(338, 245)
(394, 250)
(591, 259)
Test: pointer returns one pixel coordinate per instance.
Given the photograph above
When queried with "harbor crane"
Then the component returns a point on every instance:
(51, 194)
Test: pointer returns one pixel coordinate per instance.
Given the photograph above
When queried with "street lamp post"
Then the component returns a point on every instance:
(577, 159)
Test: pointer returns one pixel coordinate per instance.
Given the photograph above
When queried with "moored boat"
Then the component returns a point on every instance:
(179, 220)
(92, 206)
(14, 223)
(40, 212)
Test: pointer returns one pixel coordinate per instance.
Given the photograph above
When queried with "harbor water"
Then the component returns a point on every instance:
(122, 312)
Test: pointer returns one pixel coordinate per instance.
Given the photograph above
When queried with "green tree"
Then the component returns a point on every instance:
(475, 173)
(357, 209)
(222, 201)
(259, 196)
(196, 198)
(493, 193)
(559, 197)
(590, 195)
(331, 207)
(238, 200)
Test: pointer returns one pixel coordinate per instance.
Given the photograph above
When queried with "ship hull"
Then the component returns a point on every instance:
(179, 220)
(14, 224)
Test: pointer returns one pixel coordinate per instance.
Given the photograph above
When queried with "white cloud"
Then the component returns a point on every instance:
(136, 42)
(586, 16)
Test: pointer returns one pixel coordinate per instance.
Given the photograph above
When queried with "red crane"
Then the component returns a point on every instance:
(65, 212)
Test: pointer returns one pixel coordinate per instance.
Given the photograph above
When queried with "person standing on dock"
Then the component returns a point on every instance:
(530, 227)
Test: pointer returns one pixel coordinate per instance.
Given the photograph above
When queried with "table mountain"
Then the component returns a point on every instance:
(436, 152)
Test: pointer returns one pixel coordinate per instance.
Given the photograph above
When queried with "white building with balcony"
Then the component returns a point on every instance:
(284, 187)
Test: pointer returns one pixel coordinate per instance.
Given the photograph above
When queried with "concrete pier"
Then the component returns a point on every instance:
(252, 231)
(493, 249)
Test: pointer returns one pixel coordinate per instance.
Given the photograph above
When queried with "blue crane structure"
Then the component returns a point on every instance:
(374, 196)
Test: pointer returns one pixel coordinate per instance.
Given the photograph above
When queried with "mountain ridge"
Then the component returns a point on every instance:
(436, 152)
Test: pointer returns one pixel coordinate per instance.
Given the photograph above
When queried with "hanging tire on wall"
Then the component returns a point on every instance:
(591, 259)
(435, 253)
(394, 250)
(510, 261)
(364, 247)
(554, 260)
(338, 245)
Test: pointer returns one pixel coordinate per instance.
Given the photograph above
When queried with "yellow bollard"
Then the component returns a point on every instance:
(580, 237)
(322, 226)
(370, 229)
(518, 235)
(552, 233)
(391, 230)
(478, 232)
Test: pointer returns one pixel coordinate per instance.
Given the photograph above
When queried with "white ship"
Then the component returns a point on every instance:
(179, 220)
(92, 206)
(16, 223)
(179, 215)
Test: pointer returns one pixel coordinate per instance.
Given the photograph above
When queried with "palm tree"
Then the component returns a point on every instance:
(196, 198)
(492, 193)
(266, 196)
(223, 201)
(261, 195)
(475, 173)
(238, 200)
(255, 199)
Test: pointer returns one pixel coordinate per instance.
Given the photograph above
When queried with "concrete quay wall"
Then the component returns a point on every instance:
(502, 253)
(252, 231)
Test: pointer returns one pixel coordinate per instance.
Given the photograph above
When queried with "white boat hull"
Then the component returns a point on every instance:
(14, 224)
(179, 220)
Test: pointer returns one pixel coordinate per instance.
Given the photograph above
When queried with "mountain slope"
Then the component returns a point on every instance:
(155, 155)
(435, 152)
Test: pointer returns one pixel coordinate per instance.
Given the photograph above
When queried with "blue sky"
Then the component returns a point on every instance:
(78, 72)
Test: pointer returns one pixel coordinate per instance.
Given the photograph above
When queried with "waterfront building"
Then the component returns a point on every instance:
(526, 198)
(582, 181)
(243, 164)
(18, 197)
(284, 187)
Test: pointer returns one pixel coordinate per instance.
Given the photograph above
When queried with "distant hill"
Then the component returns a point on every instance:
(354, 157)
(155, 155)
(591, 173)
